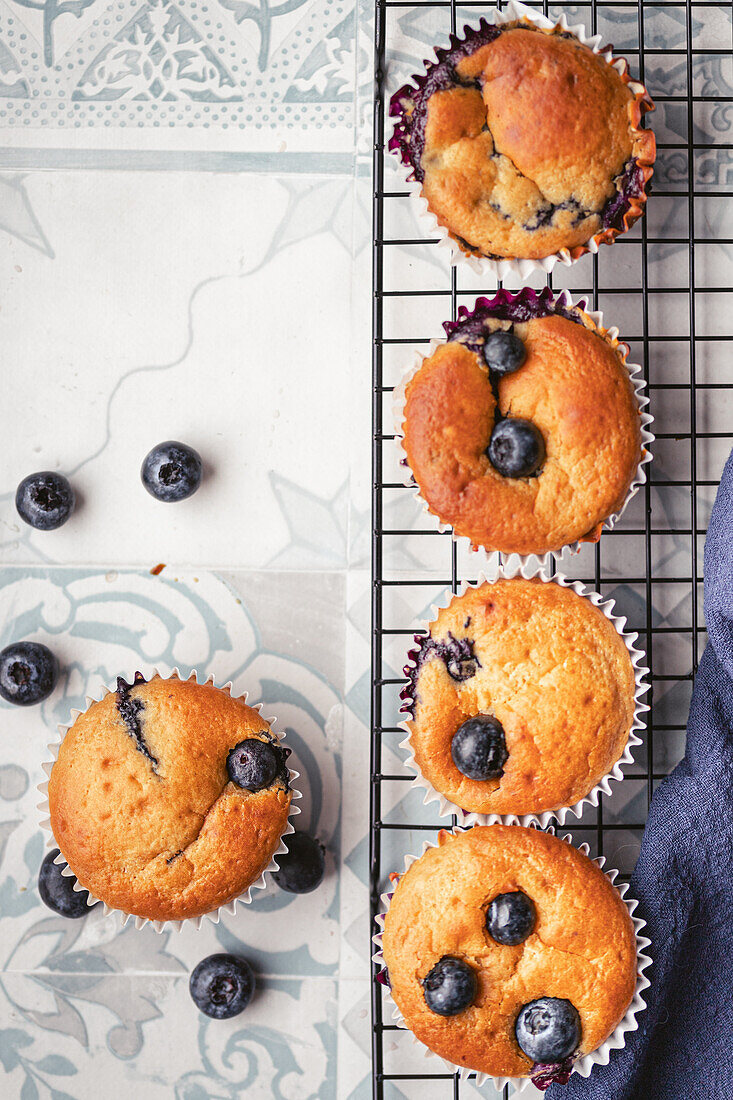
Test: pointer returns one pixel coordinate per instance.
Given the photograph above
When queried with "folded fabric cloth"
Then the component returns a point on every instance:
(684, 882)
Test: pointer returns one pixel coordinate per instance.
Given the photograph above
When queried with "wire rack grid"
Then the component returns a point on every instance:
(666, 286)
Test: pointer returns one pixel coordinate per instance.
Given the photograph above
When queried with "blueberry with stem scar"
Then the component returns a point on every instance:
(253, 764)
(172, 471)
(28, 673)
(221, 986)
(45, 500)
(548, 1030)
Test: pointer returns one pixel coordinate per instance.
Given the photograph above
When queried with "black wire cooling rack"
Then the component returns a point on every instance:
(666, 286)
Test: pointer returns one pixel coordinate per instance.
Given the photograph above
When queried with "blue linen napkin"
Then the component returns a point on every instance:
(683, 1049)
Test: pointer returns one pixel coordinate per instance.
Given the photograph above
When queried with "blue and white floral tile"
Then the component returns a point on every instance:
(285, 1049)
(77, 997)
(198, 76)
(234, 336)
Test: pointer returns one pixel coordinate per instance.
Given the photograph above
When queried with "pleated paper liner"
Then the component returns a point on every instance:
(520, 1086)
(215, 915)
(446, 808)
(643, 152)
(592, 319)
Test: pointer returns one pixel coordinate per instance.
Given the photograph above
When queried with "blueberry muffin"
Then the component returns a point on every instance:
(523, 430)
(521, 698)
(169, 798)
(525, 142)
(509, 951)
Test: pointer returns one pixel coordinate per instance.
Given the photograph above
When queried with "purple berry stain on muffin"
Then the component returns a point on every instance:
(457, 654)
(410, 103)
(544, 1074)
(130, 711)
(630, 184)
(471, 329)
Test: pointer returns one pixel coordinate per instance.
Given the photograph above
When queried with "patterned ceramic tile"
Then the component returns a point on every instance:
(236, 340)
(193, 74)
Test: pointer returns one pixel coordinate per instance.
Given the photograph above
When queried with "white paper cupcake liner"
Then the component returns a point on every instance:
(230, 907)
(524, 268)
(598, 1057)
(466, 818)
(636, 377)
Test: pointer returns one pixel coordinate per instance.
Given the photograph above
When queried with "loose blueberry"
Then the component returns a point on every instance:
(253, 764)
(57, 890)
(172, 471)
(548, 1030)
(28, 673)
(45, 500)
(303, 867)
(222, 985)
(511, 918)
(516, 448)
(479, 748)
(450, 987)
(504, 352)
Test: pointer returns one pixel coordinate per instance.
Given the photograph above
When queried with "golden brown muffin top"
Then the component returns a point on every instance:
(573, 386)
(142, 807)
(582, 949)
(550, 667)
(526, 142)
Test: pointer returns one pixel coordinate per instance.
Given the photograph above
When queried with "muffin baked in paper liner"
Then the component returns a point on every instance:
(446, 808)
(593, 320)
(601, 1055)
(643, 150)
(230, 907)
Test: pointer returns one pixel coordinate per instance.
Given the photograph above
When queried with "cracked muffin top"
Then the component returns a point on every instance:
(526, 142)
(542, 942)
(523, 430)
(521, 698)
(169, 798)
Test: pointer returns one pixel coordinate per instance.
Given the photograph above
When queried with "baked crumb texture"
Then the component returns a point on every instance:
(526, 142)
(574, 386)
(550, 667)
(583, 948)
(163, 833)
